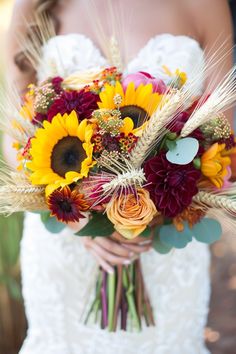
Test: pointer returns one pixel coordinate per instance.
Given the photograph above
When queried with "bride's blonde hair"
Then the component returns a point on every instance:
(43, 9)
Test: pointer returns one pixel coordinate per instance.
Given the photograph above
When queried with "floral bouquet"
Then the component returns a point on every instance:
(137, 155)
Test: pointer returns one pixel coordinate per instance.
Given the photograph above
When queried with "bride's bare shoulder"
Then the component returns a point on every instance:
(211, 18)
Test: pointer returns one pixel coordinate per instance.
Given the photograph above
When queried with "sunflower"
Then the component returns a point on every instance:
(61, 152)
(138, 104)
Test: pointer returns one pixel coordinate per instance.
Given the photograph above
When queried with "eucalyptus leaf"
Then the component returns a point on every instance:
(146, 232)
(171, 144)
(51, 223)
(207, 230)
(98, 225)
(159, 246)
(171, 237)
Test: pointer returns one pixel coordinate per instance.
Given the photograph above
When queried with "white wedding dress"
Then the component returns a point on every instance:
(58, 274)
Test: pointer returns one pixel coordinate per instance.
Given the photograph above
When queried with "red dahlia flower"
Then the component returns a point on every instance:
(83, 103)
(178, 123)
(171, 186)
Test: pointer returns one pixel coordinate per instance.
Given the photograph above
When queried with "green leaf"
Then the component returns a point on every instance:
(146, 232)
(98, 225)
(207, 231)
(44, 215)
(171, 144)
(51, 223)
(197, 163)
(158, 245)
(171, 237)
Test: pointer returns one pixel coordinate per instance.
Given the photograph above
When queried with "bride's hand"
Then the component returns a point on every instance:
(108, 252)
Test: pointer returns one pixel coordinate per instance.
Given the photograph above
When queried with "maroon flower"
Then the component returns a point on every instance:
(39, 118)
(67, 205)
(171, 186)
(229, 142)
(83, 103)
(110, 143)
(178, 123)
(56, 82)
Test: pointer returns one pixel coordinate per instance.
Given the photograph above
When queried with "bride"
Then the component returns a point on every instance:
(58, 270)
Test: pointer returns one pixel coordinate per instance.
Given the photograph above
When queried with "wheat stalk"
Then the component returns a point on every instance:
(22, 198)
(221, 99)
(157, 122)
(18, 194)
(210, 200)
(115, 55)
(11, 121)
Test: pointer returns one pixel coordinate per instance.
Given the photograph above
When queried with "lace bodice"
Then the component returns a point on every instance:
(59, 274)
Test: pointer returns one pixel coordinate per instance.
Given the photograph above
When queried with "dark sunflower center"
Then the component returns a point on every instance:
(67, 155)
(137, 114)
(65, 206)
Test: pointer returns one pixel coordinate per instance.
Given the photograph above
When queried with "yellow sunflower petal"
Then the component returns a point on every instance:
(81, 129)
(72, 124)
(130, 94)
(128, 126)
(51, 188)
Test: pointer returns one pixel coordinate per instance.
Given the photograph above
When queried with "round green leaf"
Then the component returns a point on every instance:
(207, 231)
(171, 237)
(51, 223)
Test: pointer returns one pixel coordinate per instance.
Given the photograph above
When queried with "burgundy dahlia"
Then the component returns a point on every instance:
(39, 118)
(229, 142)
(56, 82)
(178, 123)
(171, 186)
(83, 103)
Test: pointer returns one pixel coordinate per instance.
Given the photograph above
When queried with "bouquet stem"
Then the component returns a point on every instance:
(122, 297)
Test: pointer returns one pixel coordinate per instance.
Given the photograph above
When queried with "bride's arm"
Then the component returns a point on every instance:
(17, 75)
(213, 23)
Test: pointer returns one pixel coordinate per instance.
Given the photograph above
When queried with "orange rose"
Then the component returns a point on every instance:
(131, 213)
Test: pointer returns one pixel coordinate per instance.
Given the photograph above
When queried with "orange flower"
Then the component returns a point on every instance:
(191, 214)
(214, 164)
(27, 110)
(131, 213)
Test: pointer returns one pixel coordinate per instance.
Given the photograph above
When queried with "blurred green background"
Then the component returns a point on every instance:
(12, 319)
(220, 332)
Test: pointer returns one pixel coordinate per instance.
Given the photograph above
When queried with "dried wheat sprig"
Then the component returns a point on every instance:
(210, 200)
(18, 194)
(41, 29)
(21, 198)
(221, 99)
(79, 79)
(11, 121)
(154, 127)
(115, 55)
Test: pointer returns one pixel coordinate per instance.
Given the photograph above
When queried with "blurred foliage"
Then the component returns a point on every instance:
(10, 235)
(11, 230)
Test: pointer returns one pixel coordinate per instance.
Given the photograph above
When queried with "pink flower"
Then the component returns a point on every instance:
(142, 77)
(226, 182)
